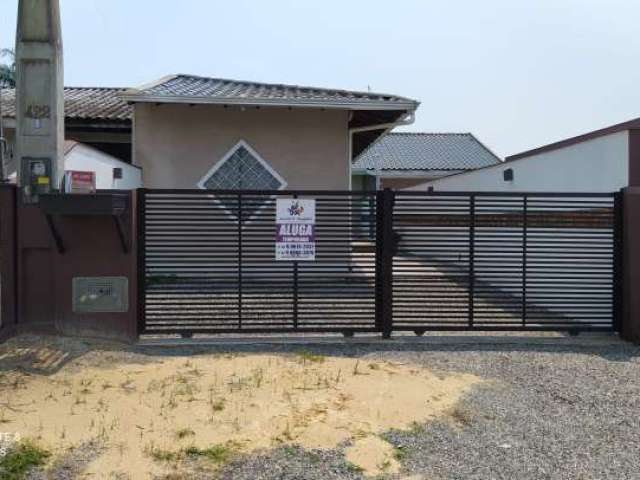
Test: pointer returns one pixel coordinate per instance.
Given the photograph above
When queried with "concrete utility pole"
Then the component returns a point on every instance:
(39, 97)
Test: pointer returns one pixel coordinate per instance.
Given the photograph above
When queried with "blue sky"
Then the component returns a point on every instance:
(518, 74)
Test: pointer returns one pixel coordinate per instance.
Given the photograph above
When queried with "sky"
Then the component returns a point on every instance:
(516, 73)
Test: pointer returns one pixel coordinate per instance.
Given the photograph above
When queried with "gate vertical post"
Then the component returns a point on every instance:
(295, 291)
(472, 248)
(240, 252)
(618, 264)
(630, 323)
(141, 200)
(525, 233)
(385, 250)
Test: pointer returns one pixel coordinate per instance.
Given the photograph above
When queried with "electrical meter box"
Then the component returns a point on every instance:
(37, 178)
(100, 294)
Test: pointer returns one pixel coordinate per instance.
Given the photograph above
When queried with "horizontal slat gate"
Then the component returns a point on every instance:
(210, 264)
(386, 261)
(492, 261)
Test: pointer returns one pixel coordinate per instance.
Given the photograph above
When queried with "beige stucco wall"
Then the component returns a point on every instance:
(176, 145)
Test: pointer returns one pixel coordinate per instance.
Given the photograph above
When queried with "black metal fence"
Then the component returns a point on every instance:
(386, 261)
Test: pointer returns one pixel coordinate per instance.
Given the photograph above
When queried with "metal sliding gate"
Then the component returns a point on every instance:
(209, 264)
(386, 261)
(489, 261)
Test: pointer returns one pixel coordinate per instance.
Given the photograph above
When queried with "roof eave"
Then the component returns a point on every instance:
(136, 98)
(568, 142)
(400, 173)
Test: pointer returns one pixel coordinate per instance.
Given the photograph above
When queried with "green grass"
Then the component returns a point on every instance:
(400, 453)
(160, 455)
(217, 454)
(16, 464)
(309, 357)
(290, 451)
(220, 454)
(417, 428)
(353, 468)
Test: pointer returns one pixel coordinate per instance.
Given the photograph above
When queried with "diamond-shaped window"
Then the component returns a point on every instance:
(242, 168)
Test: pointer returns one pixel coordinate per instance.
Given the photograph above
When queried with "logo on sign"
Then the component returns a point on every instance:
(296, 210)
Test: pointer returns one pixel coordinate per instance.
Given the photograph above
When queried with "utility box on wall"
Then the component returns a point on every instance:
(100, 294)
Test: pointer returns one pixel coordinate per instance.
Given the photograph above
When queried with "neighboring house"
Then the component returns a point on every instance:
(85, 158)
(214, 133)
(604, 160)
(403, 160)
(98, 117)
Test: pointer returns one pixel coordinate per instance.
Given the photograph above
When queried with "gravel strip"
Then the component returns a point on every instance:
(292, 463)
(546, 412)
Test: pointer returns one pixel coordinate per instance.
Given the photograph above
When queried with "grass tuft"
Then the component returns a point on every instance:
(353, 468)
(219, 454)
(17, 463)
(160, 455)
(305, 356)
(184, 433)
(218, 405)
(400, 453)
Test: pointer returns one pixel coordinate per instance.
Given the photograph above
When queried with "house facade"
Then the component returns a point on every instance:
(604, 160)
(212, 133)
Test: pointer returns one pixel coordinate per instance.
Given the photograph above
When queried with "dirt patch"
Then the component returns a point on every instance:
(148, 411)
(373, 455)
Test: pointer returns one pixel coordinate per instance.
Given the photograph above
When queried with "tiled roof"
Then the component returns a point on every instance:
(426, 151)
(187, 88)
(82, 103)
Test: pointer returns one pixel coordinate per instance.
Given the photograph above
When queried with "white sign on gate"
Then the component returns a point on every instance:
(295, 229)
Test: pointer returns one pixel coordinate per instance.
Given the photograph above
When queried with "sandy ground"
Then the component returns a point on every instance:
(145, 409)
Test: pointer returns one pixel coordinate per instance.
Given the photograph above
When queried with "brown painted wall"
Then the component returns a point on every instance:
(176, 145)
(400, 183)
(45, 276)
(634, 158)
(8, 312)
(631, 265)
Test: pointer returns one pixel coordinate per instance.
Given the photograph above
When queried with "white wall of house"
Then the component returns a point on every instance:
(87, 159)
(597, 165)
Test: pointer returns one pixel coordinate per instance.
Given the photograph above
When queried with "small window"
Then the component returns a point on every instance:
(508, 175)
(242, 168)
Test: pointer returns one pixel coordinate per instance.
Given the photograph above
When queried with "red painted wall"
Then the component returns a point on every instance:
(8, 311)
(92, 249)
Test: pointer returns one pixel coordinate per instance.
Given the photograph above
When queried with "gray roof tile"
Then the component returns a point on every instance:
(234, 91)
(84, 103)
(426, 151)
